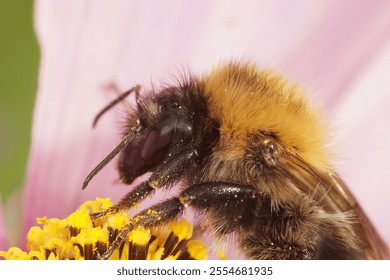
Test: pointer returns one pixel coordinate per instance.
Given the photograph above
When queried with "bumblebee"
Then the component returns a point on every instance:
(251, 156)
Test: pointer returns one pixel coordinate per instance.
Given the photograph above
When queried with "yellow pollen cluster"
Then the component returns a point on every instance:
(77, 237)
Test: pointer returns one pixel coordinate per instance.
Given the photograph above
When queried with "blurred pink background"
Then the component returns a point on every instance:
(338, 50)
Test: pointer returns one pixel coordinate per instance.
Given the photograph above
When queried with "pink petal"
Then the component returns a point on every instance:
(331, 47)
(366, 165)
(3, 232)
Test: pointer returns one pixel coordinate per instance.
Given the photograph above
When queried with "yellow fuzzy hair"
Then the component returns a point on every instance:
(246, 101)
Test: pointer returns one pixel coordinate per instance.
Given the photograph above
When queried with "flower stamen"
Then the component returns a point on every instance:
(77, 237)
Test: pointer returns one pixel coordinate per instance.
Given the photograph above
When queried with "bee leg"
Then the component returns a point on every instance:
(237, 204)
(130, 199)
(153, 216)
(221, 197)
(168, 173)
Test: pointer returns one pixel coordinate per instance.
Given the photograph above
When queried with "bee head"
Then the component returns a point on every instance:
(165, 122)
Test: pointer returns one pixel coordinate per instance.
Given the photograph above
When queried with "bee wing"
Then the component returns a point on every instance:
(334, 196)
(375, 247)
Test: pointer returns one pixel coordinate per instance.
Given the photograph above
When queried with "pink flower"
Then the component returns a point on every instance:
(338, 50)
(3, 232)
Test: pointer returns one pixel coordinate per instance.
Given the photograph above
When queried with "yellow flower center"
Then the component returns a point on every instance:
(78, 237)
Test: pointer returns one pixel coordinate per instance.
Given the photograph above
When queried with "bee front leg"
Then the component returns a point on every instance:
(169, 172)
(154, 216)
(130, 199)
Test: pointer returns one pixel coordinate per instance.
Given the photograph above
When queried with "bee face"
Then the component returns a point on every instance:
(160, 116)
(250, 155)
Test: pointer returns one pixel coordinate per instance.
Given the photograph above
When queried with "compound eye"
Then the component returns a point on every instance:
(159, 137)
(140, 157)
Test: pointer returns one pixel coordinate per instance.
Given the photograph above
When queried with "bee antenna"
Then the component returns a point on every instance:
(122, 96)
(125, 141)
